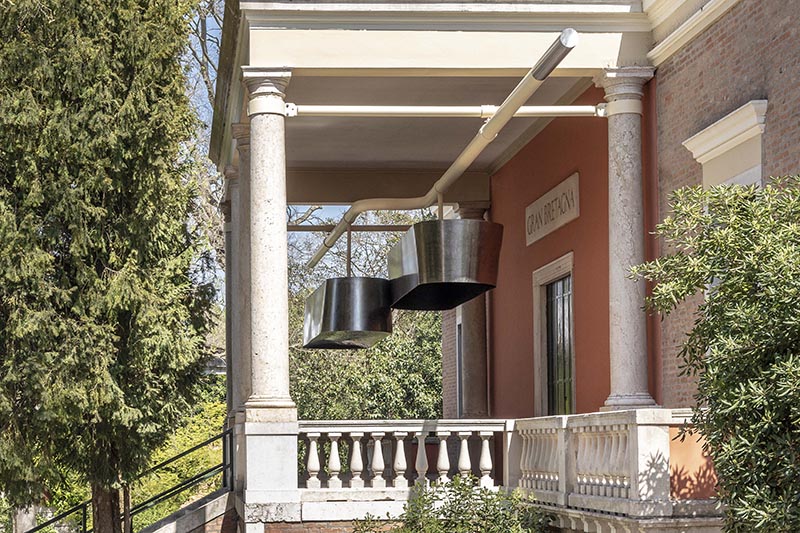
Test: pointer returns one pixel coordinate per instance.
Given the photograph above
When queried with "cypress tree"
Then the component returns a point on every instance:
(104, 298)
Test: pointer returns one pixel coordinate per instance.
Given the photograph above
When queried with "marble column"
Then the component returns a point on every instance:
(231, 184)
(627, 320)
(240, 219)
(270, 418)
(474, 393)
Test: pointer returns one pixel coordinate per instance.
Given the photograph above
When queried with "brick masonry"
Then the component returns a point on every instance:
(750, 53)
(449, 368)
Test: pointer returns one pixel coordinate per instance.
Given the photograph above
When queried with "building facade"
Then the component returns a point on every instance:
(556, 382)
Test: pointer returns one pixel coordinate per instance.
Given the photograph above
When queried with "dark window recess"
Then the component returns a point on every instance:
(560, 353)
(459, 371)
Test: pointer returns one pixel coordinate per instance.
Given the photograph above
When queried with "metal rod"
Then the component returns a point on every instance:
(475, 111)
(486, 134)
(353, 227)
(349, 251)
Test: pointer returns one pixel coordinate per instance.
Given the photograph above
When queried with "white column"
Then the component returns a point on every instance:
(627, 320)
(269, 305)
(270, 416)
(474, 391)
(240, 220)
(230, 183)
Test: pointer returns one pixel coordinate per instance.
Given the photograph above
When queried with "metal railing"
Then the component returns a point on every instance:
(225, 468)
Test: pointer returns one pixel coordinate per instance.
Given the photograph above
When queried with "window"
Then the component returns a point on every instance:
(553, 345)
(559, 347)
(730, 149)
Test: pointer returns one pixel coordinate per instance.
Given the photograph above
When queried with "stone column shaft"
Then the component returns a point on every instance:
(474, 390)
(240, 217)
(269, 306)
(269, 420)
(627, 320)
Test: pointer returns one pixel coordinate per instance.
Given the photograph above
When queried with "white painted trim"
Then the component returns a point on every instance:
(453, 17)
(550, 272)
(659, 11)
(694, 26)
(732, 130)
(751, 176)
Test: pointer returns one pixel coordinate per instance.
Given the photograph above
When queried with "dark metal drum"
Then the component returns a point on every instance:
(347, 313)
(440, 264)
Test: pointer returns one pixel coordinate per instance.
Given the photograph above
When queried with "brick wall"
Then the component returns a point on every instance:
(449, 378)
(750, 53)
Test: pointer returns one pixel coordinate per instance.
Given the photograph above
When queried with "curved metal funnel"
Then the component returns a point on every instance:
(347, 313)
(439, 264)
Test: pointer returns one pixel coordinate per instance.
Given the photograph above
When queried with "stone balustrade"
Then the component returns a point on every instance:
(607, 471)
(385, 454)
(614, 462)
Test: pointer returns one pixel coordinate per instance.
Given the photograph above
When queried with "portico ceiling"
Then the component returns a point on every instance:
(407, 143)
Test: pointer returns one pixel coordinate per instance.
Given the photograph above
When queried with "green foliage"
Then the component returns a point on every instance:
(206, 422)
(460, 507)
(742, 246)
(399, 377)
(104, 307)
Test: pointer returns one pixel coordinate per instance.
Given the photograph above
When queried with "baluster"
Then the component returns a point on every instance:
(485, 461)
(536, 454)
(529, 458)
(581, 460)
(378, 481)
(594, 464)
(400, 465)
(523, 459)
(334, 463)
(312, 462)
(356, 462)
(443, 461)
(625, 463)
(614, 463)
(421, 463)
(464, 461)
(607, 458)
(552, 460)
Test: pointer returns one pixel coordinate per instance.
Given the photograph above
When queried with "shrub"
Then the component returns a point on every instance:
(460, 507)
(741, 247)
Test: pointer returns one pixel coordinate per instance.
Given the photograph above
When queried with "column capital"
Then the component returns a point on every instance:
(267, 89)
(231, 174)
(471, 210)
(241, 133)
(624, 83)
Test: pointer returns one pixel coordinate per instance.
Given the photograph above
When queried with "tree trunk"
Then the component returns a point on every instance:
(24, 519)
(105, 510)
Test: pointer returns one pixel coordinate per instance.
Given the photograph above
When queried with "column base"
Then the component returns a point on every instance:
(621, 402)
(267, 402)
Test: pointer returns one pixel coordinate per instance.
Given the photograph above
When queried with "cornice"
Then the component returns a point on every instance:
(659, 11)
(728, 132)
(449, 17)
(690, 29)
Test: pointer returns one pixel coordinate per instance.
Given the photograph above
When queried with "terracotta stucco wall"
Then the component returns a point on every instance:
(566, 146)
(750, 53)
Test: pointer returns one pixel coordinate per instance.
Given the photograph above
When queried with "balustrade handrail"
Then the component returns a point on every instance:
(433, 425)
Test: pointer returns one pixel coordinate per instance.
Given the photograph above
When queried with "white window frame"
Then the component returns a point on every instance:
(553, 271)
(730, 150)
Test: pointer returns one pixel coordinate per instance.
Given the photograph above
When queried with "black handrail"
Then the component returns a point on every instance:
(225, 467)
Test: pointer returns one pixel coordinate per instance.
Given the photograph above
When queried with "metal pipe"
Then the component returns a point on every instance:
(486, 134)
(355, 227)
(482, 111)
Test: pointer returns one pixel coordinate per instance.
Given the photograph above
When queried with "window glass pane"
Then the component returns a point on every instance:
(559, 346)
